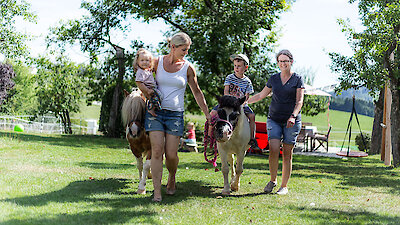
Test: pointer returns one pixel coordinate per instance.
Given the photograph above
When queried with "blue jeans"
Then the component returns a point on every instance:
(278, 131)
(167, 121)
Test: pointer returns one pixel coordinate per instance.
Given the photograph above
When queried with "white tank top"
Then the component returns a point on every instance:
(172, 86)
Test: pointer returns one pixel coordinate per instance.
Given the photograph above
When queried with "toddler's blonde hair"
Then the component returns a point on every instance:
(191, 124)
(141, 51)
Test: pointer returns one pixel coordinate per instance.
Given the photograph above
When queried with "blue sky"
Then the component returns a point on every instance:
(309, 31)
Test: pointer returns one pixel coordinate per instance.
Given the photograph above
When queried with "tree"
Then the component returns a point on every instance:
(94, 34)
(12, 42)
(219, 29)
(101, 86)
(60, 88)
(372, 65)
(21, 99)
(6, 82)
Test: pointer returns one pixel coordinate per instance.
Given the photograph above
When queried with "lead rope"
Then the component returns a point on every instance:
(211, 141)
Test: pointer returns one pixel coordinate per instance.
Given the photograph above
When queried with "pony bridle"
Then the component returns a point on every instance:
(223, 123)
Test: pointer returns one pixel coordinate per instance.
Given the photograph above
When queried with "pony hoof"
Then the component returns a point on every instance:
(234, 189)
(141, 192)
(226, 192)
(149, 176)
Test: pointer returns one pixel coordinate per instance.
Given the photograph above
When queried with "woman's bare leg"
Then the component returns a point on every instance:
(157, 151)
(286, 163)
(274, 148)
(171, 160)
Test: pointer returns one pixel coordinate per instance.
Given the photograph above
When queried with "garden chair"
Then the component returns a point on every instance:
(321, 139)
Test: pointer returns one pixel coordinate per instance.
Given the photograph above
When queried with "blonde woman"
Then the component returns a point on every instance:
(173, 73)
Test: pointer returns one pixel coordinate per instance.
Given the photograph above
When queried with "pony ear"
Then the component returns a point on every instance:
(242, 100)
(126, 93)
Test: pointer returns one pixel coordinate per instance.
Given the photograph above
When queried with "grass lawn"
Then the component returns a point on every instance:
(88, 112)
(57, 179)
(337, 119)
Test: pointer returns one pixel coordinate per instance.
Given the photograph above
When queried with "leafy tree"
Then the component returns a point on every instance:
(101, 88)
(219, 29)
(60, 88)
(95, 34)
(6, 82)
(12, 42)
(372, 65)
(313, 104)
(21, 98)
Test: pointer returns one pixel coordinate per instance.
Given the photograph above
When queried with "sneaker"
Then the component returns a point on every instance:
(253, 144)
(270, 186)
(282, 191)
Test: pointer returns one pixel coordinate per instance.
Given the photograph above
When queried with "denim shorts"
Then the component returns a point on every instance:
(277, 130)
(170, 122)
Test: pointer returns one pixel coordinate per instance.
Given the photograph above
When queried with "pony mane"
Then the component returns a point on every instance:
(133, 107)
(229, 101)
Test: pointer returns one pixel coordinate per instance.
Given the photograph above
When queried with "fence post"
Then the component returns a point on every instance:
(61, 128)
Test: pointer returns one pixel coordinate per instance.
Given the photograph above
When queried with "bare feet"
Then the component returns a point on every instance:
(157, 199)
(171, 187)
(157, 196)
(170, 191)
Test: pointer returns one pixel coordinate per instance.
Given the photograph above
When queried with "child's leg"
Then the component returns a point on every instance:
(252, 120)
(181, 143)
(151, 108)
(155, 98)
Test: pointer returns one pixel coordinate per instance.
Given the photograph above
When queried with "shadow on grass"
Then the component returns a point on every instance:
(117, 208)
(85, 141)
(119, 216)
(101, 166)
(334, 216)
(358, 172)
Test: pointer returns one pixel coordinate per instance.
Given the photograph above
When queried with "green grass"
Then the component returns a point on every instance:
(57, 179)
(338, 119)
(88, 112)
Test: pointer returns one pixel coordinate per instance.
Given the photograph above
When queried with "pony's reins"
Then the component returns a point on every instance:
(210, 140)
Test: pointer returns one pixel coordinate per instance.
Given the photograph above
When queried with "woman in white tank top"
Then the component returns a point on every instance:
(173, 73)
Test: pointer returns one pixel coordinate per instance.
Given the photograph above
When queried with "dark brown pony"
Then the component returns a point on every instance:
(132, 113)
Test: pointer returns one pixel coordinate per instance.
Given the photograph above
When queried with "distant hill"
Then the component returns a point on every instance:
(361, 93)
(364, 102)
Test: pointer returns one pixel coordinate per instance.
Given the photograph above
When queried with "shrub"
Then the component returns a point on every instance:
(363, 145)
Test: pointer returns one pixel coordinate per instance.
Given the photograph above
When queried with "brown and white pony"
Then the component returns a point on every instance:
(232, 133)
(132, 113)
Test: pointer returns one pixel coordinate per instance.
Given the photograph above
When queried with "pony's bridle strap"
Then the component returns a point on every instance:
(225, 121)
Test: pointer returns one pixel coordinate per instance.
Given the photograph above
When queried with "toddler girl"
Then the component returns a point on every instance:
(143, 65)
